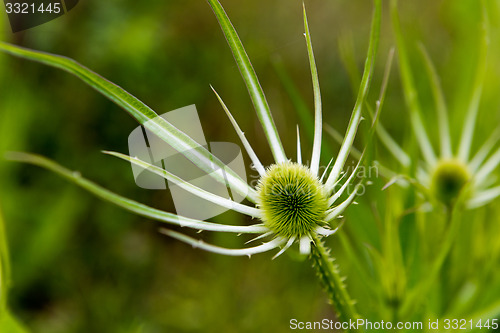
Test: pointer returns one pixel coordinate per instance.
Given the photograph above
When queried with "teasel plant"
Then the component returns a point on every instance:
(436, 205)
(426, 215)
(451, 181)
(442, 177)
(293, 202)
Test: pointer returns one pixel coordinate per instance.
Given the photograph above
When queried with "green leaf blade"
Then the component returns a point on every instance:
(360, 100)
(318, 118)
(181, 142)
(128, 204)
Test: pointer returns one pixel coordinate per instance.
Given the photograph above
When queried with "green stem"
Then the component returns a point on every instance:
(418, 294)
(329, 275)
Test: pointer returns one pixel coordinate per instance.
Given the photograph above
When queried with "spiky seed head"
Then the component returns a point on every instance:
(292, 199)
(448, 179)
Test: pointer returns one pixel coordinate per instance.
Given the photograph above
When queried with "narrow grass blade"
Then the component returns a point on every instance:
(346, 51)
(140, 111)
(254, 88)
(369, 142)
(363, 91)
(255, 160)
(220, 250)
(130, 205)
(337, 136)
(361, 265)
(393, 147)
(318, 119)
(472, 110)
(410, 92)
(55, 228)
(417, 295)
(440, 103)
(216, 199)
(383, 89)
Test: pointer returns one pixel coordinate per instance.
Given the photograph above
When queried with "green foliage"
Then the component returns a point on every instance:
(9, 324)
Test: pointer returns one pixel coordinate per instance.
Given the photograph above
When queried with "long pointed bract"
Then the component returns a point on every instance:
(318, 119)
(215, 199)
(299, 150)
(251, 81)
(181, 142)
(286, 247)
(328, 232)
(485, 170)
(437, 91)
(339, 193)
(410, 92)
(130, 205)
(470, 120)
(305, 245)
(264, 235)
(363, 91)
(251, 153)
(483, 152)
(482, 198)
(325, 171)
(336, 211)
(221, 250)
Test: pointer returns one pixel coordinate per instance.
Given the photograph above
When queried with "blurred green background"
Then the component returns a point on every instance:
(81, 265)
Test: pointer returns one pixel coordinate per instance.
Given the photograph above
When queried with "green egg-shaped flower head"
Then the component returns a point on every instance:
(293, 201)
(448, 179)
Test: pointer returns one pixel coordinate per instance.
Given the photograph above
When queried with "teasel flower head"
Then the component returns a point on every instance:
(292, 203)
(455, 171)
